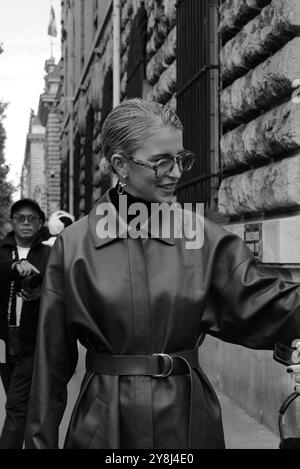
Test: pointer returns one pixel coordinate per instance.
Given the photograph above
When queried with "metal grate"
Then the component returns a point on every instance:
(107, 104)
(136, 55)
(76, 184)
(88, 161)
(107, 95)
(197, 96)
(64, 184)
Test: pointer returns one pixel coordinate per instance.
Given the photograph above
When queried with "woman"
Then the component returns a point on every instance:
(141, 305)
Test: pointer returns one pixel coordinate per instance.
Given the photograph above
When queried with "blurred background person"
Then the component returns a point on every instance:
(23, 258)
(44, 230)
(58, 221)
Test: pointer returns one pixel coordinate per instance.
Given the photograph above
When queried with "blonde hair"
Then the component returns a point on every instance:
(131, 122)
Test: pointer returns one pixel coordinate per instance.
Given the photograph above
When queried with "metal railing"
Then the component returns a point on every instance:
(197, 96)
(136, 55)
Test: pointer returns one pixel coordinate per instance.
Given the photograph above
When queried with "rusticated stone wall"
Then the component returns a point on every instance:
(235, 13)
(276, 185)
(262, 87)
(267, 32)
(156, 30)
(260, 66)
(160, 48)
(270, 136)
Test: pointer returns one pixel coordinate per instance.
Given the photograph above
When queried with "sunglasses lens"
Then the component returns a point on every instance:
(23, 218)
(164, 167)
(186, 162)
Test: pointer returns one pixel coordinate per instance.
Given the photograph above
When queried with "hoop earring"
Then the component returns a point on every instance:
(121, 187)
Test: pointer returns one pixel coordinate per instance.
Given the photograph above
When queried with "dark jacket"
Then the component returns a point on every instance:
(144, 296)
(38, 256)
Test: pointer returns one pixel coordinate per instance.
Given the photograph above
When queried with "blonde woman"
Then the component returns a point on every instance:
(141, 302)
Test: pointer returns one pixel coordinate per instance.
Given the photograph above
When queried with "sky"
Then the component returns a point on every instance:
(26, 44)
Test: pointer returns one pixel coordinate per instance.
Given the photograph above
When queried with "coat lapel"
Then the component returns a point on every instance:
(106, 225)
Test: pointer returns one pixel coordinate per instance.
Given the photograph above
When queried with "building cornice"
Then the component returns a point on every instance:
(36, 137)
(46, 102)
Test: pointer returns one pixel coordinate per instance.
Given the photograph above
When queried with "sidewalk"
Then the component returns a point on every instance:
(242, 431)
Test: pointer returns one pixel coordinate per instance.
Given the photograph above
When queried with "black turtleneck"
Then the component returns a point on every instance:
(115, 199)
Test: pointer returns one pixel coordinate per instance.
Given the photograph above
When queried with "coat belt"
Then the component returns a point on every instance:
(160, 365)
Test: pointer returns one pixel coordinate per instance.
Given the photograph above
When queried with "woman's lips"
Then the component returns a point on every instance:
(167, 187)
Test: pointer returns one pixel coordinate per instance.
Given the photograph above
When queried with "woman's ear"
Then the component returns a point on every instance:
(120, 165)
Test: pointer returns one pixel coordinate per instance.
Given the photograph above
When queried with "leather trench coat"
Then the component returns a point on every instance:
(125, 296)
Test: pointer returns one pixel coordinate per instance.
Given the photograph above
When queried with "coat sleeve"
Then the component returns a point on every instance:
(247, 306)
(6, 274)
(55, 359)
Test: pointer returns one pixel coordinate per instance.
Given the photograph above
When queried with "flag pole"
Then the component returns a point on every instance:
(51, 38)
(51, 44)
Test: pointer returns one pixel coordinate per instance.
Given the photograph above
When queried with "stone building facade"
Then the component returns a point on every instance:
(235, 91)
(50, 117)
(260, 113)
(148, 69)
(40, 178)
(32, 176)
(231, 69)
(259, 161)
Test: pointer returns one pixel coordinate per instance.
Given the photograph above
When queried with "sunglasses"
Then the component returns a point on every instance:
(22, 218)
(184, 159)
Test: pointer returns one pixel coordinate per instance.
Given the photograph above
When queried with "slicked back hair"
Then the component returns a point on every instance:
(133, 121)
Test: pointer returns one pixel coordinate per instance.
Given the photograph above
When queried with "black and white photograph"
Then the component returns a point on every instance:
(150, 227)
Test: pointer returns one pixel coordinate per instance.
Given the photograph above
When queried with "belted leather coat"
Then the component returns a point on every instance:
(125, 296)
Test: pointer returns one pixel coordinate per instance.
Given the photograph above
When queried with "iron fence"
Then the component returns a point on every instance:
(197, 96)
(136, 55)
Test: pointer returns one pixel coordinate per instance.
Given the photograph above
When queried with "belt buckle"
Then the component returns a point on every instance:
(164, 373)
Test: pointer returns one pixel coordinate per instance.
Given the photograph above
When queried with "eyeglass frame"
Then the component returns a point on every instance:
(154, 166)
(25, 218)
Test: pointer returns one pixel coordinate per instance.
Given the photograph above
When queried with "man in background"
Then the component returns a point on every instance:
(23, 258)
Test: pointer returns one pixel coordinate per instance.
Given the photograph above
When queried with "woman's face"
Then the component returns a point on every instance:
(141, 181)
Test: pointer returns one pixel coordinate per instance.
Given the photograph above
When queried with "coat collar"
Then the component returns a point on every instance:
(106, 225)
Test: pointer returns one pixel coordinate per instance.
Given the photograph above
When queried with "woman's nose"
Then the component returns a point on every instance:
(175, 173)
